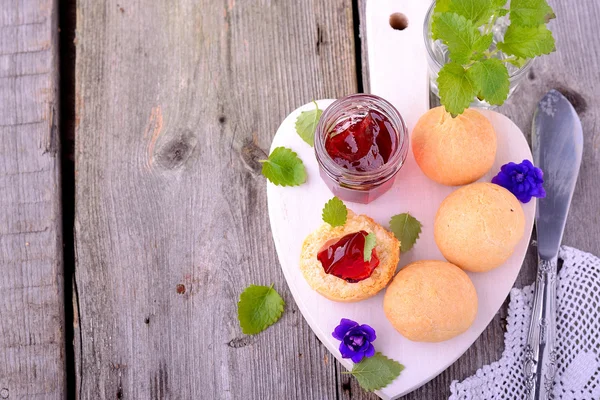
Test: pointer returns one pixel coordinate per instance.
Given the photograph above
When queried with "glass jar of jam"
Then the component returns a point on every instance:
(361, 143)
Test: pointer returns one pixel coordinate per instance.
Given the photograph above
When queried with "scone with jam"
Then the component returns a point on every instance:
(334, 263)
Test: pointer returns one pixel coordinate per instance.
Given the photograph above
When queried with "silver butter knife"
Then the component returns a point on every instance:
(557, 141)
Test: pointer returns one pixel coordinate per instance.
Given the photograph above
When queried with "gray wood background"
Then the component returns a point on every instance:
(175, 100)
(174, 103)
(32, 341)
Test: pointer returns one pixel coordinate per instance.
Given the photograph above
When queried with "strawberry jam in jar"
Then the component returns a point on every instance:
(361, 143)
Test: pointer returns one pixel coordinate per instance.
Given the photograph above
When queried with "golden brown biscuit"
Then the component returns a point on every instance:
(430, 301)
(454, 151)
(478, 226)
(334, 288)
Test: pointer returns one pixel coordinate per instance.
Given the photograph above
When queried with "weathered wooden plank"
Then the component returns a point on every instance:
(361, 5)
(32, 348)
(573, 69)
(174, 102)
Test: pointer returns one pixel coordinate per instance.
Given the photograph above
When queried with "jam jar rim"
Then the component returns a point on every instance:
(359, 179)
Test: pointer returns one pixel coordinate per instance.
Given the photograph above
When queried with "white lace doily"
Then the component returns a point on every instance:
(577, 339)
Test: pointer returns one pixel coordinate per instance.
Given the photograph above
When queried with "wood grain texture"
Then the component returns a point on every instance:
(574, 69)
(175, 103)
(32, 348)
(364, 67)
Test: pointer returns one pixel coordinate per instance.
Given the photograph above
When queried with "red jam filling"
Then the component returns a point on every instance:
(362, 143)
(344, 258)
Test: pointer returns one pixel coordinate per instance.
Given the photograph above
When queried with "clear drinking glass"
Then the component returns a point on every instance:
(437, 56)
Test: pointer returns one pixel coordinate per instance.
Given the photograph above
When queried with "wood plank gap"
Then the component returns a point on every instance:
(356, 4)
(67, 20)
(336, 366)
(364, 48)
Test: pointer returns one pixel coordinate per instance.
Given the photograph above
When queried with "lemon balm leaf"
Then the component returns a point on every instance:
(335, 212)
(407, 229)
(517, 62)
(502, 12)
(284, 168)
(442, 6)
(478, 11)
(477, 67)
(482, 43)
(458, 33)
(370, 242)
(259, 307)
(306, 124)
(527, 41)
(456, 88)
(490, 77)
(374, 373)
(530, 12)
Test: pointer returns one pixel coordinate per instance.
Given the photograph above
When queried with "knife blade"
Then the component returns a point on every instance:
(557, 149)
(557, 140)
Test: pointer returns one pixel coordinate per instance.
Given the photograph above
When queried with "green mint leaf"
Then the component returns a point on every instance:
(407, 229)
(490, 77)
(456, 88)
(376, 372)
(442, 6)
(530, 12)
(483, 43)
(284, 168)
(306, 124)
(516, 61)
(502, 12)
(259, 307)
(370, 242)
(478, 11)
(527, 41)
(458, 33)
(335, 212)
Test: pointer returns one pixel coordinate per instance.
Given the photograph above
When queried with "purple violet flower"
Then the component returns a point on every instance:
(356, 340)
(523, 180)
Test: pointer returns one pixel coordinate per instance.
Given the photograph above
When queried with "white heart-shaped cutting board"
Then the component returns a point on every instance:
(398, 72)
(296, 211)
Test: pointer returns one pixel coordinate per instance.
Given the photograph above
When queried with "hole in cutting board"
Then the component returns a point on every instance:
(398, 21)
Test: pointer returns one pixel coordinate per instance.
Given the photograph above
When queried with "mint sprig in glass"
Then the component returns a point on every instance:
(479, 50)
